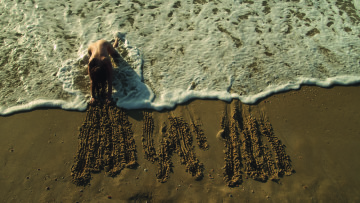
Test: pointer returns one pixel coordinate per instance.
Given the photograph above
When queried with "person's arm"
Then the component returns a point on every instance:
(89, 51)
(109, 78)
(111, 49)
(116, 43)
(92, 88)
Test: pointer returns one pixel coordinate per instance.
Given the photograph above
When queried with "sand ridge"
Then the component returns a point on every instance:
(250, 147)
(147, 138)
(200, 136)
(105, 142)
(176, 138)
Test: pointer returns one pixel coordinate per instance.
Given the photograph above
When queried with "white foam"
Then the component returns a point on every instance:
(357, 4)
(171, 99)
(176, 52)
(328, 82)
(77, 104)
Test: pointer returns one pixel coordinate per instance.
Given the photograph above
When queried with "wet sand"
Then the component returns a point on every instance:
(318, 126)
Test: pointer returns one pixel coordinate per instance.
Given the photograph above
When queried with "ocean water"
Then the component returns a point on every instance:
(174, 51)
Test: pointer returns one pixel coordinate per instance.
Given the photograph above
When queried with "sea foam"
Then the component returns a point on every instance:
(175, 51)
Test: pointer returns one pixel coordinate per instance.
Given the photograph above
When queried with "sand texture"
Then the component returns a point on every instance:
(105, 142)
(298, 146)
(250, 147)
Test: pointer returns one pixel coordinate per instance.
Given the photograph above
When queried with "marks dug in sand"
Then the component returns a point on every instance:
(252, 149)
(147, 137)
(180, 140)
(105, 142)
(200, 136)
(177, 138)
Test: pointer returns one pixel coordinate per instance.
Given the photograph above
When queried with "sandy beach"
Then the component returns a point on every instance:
(318, 126)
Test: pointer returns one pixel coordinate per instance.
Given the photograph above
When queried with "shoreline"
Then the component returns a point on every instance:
(318, 126)
(250, 100)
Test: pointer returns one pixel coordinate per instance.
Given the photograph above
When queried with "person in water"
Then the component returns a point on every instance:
(100, 69)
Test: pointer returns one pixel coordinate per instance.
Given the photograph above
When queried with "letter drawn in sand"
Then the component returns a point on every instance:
(250, 147)
(175, 138)
(105, 142)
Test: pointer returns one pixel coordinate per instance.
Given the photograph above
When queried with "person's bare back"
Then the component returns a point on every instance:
(99, 68)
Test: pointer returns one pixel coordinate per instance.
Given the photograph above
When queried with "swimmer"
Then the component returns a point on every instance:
(100, 69)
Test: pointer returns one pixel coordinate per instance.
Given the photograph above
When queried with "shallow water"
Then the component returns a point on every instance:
(175, 50)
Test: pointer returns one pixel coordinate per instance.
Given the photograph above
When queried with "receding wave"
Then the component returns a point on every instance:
(174, 51)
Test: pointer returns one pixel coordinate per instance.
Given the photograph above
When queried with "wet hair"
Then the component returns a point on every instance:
(98, 73)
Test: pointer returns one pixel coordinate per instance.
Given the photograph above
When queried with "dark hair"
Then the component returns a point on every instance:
(98, 73)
